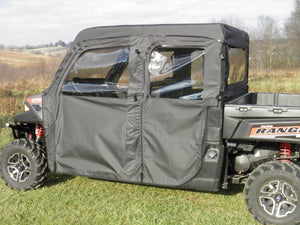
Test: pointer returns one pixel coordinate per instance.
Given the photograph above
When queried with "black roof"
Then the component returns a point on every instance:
(220, 32)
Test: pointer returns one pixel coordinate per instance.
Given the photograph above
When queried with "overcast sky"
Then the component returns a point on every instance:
(43, 21)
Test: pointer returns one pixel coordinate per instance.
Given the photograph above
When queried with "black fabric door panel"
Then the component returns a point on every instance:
(173, 134)
(92, 138)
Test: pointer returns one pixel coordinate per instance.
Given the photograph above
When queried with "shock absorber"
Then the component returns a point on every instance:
(285, 151)
(39, 132)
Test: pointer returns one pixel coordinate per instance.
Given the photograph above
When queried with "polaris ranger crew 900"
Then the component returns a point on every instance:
(162, 105)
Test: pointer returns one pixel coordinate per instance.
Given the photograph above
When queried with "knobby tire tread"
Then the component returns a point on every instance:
(38, 154)
(272, 167)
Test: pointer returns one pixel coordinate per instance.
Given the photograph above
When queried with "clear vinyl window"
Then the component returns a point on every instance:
(176, 73)
(237, 65)
(102, 73)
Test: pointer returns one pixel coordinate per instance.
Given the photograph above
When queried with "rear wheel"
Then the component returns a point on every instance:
(272, 193)
(23, 165)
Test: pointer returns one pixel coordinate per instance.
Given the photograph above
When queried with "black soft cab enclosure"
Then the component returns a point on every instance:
(142, 103)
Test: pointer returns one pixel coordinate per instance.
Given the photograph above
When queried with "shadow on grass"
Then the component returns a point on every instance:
(233, 189)
(54, 179)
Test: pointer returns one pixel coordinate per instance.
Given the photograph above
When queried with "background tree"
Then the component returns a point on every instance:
(266, 47)
(292, 29)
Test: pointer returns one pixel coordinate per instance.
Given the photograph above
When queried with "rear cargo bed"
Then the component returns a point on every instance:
(268, 99)
(267, 116)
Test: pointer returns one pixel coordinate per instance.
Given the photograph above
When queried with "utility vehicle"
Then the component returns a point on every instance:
(162, 105)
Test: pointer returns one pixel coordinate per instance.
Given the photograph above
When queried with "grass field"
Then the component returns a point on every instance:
(278, 81)
(79, 200)
(19, 59)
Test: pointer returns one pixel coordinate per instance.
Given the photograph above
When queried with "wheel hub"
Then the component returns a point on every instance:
(278, 198)
(20, 167)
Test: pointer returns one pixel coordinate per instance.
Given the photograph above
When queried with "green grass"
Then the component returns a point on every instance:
(79, 200)
(5, 137)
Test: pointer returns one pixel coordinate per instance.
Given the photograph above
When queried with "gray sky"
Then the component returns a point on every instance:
(42, 21)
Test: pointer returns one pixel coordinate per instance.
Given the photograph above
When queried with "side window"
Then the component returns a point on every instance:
(176, 73)
(102, 73)
(237, 65)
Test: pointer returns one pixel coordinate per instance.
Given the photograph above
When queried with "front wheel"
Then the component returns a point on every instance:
(272, 193)
(23, 165)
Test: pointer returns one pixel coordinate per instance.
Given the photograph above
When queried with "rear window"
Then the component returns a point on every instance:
(237, 65)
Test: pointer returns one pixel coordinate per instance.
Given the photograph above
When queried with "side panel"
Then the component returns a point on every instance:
(91, 141)
(274, 130)
(173, 141)
(262, 123)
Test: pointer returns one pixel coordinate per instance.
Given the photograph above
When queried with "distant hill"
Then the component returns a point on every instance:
(26, 57)
(48, 51)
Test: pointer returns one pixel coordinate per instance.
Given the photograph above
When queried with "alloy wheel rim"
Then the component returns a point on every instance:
(278, 198)
(19, 167)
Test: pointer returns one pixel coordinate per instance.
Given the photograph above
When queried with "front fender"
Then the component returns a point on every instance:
(26, 117)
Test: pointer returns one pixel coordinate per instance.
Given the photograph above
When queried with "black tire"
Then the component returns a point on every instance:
(24, 165)
(272, 193)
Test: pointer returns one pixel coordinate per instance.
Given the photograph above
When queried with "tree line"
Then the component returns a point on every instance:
(59, 43)
(273, 47)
